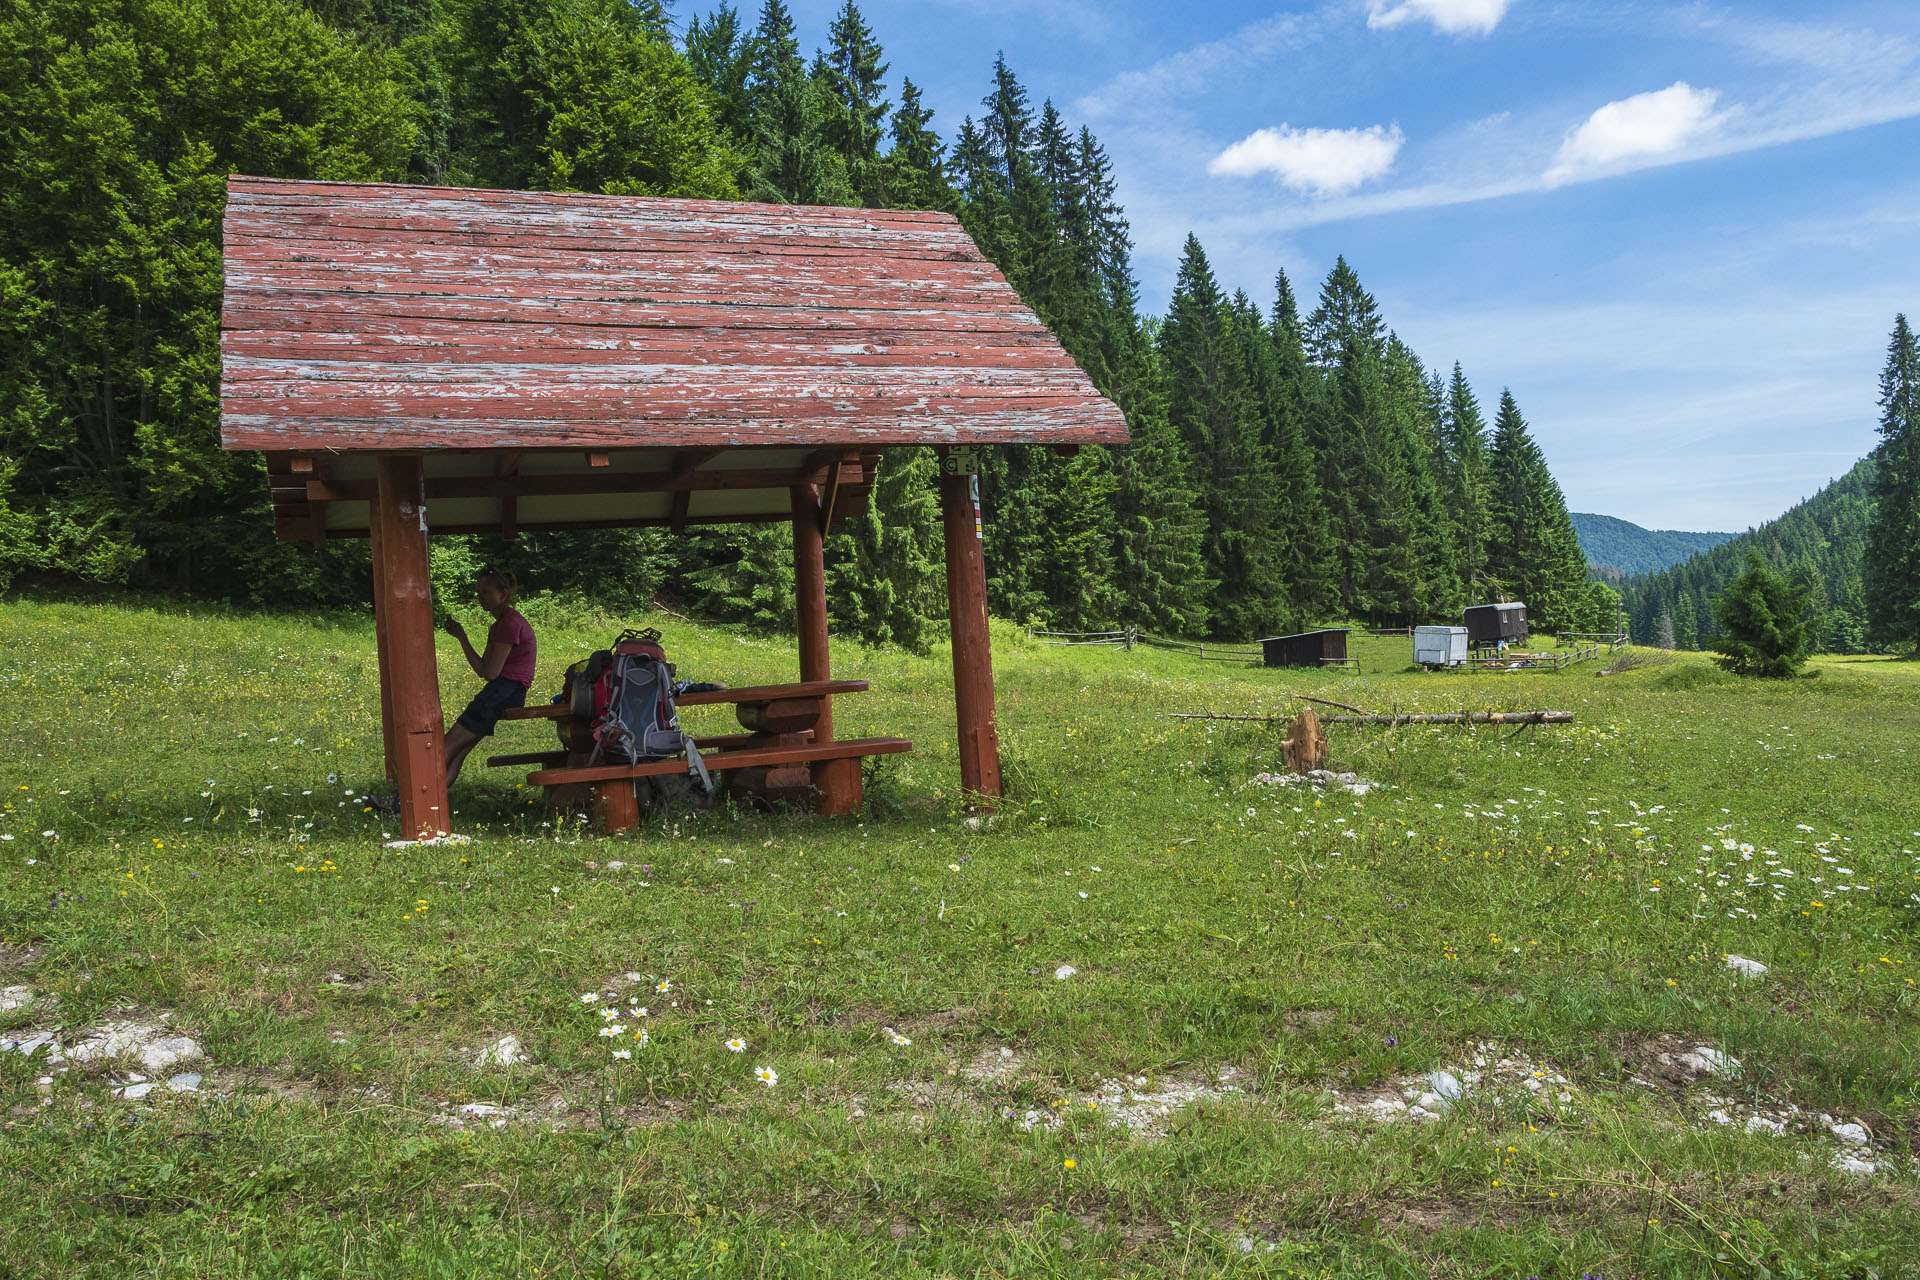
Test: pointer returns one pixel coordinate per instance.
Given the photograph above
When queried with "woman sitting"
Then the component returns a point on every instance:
(506, 666)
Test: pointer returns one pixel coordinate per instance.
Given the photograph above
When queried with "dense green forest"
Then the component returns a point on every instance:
(1292, 459)
(1817, 544)
(1618, 549)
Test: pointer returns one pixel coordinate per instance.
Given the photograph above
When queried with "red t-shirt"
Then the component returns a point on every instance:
(512, 629)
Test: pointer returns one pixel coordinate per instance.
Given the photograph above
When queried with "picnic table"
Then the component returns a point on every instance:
(788, 752)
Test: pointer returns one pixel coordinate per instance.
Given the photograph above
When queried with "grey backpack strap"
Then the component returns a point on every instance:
(696, 767)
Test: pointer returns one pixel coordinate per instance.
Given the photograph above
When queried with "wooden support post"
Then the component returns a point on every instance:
(972, 649)
(420, 756)
(380, 648)
(837, 781)
(616, 806)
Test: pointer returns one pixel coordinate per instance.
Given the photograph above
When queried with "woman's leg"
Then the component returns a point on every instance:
(460, 741)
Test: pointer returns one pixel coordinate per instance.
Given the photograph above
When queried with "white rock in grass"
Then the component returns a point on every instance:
(135, 1091)
(1854, 1135)
(504, 1052)
(187, 1082)
(1744, 967)
(1447, 1085)
(28, 1045)
(138, 1040)
(12, 998)
(1760, 1124)
(1719, 1117)
(1064, 972)
(1849, 1163)
(1705, 1058)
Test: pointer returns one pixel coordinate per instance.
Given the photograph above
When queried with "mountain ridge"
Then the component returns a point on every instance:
(1617, 549)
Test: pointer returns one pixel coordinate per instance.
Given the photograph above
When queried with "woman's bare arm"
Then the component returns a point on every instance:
(489, 664)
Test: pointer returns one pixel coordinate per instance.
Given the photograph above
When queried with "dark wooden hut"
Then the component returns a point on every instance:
(1305, 648)
(1490, 624)
(503, 361)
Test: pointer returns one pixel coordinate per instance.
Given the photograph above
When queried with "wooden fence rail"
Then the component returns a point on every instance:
(1133, 636)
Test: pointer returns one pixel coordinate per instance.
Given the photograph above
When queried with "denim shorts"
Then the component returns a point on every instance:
(484, 711)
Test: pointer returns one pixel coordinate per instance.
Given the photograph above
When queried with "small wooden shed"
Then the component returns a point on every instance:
(1490, 624)
(1306, 648)
(414, 359)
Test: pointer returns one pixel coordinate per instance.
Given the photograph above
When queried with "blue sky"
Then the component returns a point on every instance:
(1678, 232)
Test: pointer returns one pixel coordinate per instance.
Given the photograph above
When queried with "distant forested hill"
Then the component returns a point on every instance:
(1818, 543)
(1627, 549)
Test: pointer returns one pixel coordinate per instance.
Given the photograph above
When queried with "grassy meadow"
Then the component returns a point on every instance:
(1264, 978)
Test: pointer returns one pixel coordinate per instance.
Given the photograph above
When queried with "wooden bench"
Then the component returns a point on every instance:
(781, 757)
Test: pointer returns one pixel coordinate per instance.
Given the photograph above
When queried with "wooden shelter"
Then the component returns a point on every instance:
(506, 361)
(1305, 648)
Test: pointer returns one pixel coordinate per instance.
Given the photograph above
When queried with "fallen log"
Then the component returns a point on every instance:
(1446, 717)
(1458, 717)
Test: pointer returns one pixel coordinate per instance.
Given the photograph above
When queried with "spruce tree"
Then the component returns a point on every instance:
(1534, 555)
(1766, 625)
(1347, 314)
(918, 171)
(1111, 239)
(1309, 564)
(1419, 573)
(792, 109)
(1160, 531)
(721, 54)
(1686, 630)
(1891, 563)
(857, 80)
(1008, 124)
(1212, 411)
(775, 52)
(1466, 484)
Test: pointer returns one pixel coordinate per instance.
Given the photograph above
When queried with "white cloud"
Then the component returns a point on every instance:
(1642, 127)
(1455, 17)
(1322, 162)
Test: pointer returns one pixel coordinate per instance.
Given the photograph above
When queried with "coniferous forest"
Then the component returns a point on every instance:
(1293, 461)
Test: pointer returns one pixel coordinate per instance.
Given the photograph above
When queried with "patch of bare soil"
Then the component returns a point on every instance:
(1665, 1062)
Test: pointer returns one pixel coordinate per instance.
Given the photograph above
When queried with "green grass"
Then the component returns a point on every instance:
(1543, 893)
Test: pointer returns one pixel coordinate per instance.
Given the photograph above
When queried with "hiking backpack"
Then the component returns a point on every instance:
(625, 692)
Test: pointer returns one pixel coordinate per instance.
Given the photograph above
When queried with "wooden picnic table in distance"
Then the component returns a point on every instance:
(778, 758)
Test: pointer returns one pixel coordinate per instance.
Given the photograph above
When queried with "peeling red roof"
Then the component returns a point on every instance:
(388, 317)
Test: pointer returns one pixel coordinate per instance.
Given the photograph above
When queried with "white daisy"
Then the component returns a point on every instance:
(640, 1039)
(623, 1053)
(896, 1037)
(767, 1076)
(737, 1045)
(612, 1029)
(588, 997)
(664, 985)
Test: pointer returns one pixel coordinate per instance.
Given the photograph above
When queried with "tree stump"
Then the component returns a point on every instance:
(1305, 746)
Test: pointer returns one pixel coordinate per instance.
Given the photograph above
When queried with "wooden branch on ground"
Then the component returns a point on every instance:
(1364, 717)
(1456, 717)
(1328, 702)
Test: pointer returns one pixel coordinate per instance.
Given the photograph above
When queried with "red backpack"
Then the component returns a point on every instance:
(625, 692)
